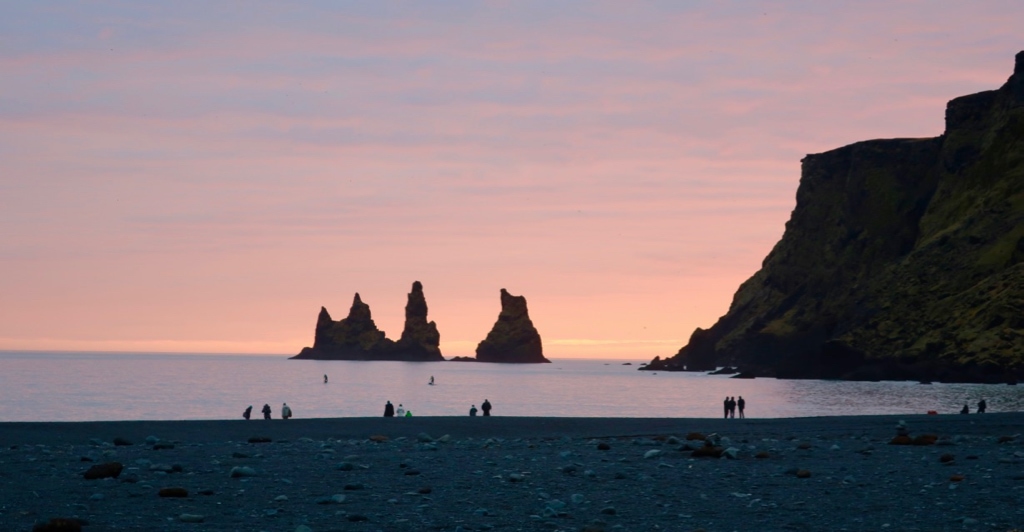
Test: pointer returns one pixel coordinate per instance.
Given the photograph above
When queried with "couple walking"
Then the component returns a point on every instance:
(730, 405)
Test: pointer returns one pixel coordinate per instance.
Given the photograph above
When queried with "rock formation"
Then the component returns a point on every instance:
(357, 337)
(420, 339)
(903, 259)
(513, 339)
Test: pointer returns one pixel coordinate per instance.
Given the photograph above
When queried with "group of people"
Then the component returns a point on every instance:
(286, 411)
(390, 411)
(982, 406)
(731, 403)
(485, 406)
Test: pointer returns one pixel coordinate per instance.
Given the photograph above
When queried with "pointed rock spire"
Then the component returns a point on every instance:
(420, 339)
(353, 338)
(513, 338)
(357, 337)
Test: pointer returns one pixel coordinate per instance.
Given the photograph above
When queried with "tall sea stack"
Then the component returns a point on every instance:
(420, 340)
(903, 259)
(513, 339)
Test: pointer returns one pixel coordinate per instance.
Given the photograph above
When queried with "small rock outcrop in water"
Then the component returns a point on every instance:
(357, 337)
(513, 339)
(902, 260)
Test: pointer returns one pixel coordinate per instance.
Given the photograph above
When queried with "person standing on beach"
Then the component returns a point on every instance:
(401, 410)
(982, 406)
(965, 409)
(741, 403)
(486, 406)
(247, 413)
(732, 407)
(472, 411)
(725, 406)
(389, 410)
(325, 378)
(286, 411)
(266, 411)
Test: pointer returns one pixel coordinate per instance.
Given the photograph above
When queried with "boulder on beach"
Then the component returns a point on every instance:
(513, 339)
(105, 470)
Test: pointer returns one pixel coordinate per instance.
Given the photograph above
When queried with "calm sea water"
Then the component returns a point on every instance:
(38, 386)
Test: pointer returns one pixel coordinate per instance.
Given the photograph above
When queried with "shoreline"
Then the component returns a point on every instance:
(207, 430)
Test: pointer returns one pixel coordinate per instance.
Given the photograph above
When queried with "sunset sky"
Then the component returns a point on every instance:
(204, 176)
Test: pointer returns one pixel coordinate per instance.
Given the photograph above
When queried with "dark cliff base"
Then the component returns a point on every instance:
(903, 260)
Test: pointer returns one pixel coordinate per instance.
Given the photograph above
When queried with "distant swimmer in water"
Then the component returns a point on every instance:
(431, 379)
(325, 378)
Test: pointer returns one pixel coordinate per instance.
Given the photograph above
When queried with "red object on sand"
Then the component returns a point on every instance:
(932, 413)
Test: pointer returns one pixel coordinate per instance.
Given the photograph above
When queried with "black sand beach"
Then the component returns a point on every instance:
(498, 473)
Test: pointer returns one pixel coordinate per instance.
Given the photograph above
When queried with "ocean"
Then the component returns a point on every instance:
(45, 386)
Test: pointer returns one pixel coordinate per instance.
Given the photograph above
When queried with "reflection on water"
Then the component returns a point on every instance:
(107, 386)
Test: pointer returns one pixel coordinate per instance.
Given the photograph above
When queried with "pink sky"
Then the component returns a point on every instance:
(202, 179)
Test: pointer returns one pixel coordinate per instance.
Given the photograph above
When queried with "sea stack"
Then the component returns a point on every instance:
(353, 338)
(420, 340)
(902, 260)
(513, 339)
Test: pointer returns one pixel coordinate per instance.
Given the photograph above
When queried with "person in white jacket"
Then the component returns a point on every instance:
(286, 411)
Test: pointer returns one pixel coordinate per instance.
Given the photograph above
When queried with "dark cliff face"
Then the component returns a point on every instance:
(513, 339)
(357, 338)
(902, 259)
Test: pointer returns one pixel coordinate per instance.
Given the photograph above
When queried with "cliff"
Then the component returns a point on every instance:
(356, 337)
(901, 260)
(513, 339)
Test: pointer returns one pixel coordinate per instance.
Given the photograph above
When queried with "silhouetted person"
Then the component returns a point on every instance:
(486, 407)
(325, 378)
(732, 407)
(401, 410)
(247, 413)
(286, 411)
(741, 403)
(431, 379)
(266, 411)
(982, 406)
(389, 410)
(965, 410)
(725, 406)
(472, 411)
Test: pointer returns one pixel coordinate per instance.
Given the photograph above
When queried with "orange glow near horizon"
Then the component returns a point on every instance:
(204, 179)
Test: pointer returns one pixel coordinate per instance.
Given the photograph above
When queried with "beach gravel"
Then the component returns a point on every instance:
(508, 474)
